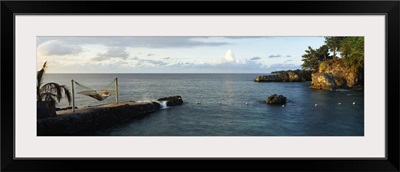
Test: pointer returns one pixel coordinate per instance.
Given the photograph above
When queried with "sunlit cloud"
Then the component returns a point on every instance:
(58, 48)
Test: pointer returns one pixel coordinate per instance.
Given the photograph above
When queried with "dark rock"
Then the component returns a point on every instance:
(285, 76)
(276, 99)
(158, 105)
(172, 100)
(66, 108)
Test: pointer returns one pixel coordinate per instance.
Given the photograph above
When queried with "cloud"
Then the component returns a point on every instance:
(151, 62)
(247, 37)
(115, 52)
(255, 58)
(287, 61)
(136, 41)
(227, 64)
(57, 47)
(279, 66)
(228, 67)
(147, 62)
(150, 54)
(275, 56)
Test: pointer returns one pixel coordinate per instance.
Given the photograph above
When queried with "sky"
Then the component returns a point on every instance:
(172, 54)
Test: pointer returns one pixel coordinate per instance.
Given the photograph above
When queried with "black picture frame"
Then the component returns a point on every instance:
(10, 8)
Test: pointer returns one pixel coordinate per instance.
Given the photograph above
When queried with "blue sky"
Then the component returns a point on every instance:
(172, 54)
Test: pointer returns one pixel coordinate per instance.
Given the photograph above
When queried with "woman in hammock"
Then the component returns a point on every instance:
(104, 95)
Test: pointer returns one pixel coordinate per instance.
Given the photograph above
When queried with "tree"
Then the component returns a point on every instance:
(333, 44)
(313, 57)
(352, 51)
(51, 93)
(323, 53)
(352, 47)
(310, 59)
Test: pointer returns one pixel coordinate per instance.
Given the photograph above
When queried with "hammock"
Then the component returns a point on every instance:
(104, 93)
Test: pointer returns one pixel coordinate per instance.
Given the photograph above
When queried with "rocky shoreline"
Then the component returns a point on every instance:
(285, 76)
(334, 74)
(92, 118)
(331, 75)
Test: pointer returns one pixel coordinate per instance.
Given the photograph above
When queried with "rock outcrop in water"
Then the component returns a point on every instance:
(276, 99)
(323, 81)
(172, 100)
(285, 76)
(334, 74)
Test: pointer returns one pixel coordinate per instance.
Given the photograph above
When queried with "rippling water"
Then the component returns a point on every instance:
(223, 111)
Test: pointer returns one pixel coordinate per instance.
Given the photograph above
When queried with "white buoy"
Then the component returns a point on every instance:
(354, 103)
(316, 105)
(283, 105)
(339, 103)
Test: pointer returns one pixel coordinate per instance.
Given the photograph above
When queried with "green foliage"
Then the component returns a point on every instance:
(313, 57)
(310, 59)
(333, 44)
(352, 51)
(323, 53)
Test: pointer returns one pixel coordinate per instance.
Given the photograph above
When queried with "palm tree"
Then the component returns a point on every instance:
(50, 93)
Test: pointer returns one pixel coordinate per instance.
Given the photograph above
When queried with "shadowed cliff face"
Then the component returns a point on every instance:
(334, 74)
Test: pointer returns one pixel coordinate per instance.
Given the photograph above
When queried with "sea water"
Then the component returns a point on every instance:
(225, 105)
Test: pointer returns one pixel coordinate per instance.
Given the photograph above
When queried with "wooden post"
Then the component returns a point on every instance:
(73, 95)
(116, 90)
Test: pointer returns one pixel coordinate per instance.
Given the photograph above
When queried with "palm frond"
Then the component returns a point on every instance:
(55, 91)
(49, 97)
(52, 88)
(39, 80)
(67, 93)
(40, 74)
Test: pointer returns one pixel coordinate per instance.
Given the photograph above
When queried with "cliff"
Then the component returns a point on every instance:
(285, 76)
(334, 74)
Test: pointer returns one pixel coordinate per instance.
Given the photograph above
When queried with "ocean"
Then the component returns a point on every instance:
(215, 105)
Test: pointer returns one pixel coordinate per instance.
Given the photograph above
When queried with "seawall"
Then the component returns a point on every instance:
(92, 118)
